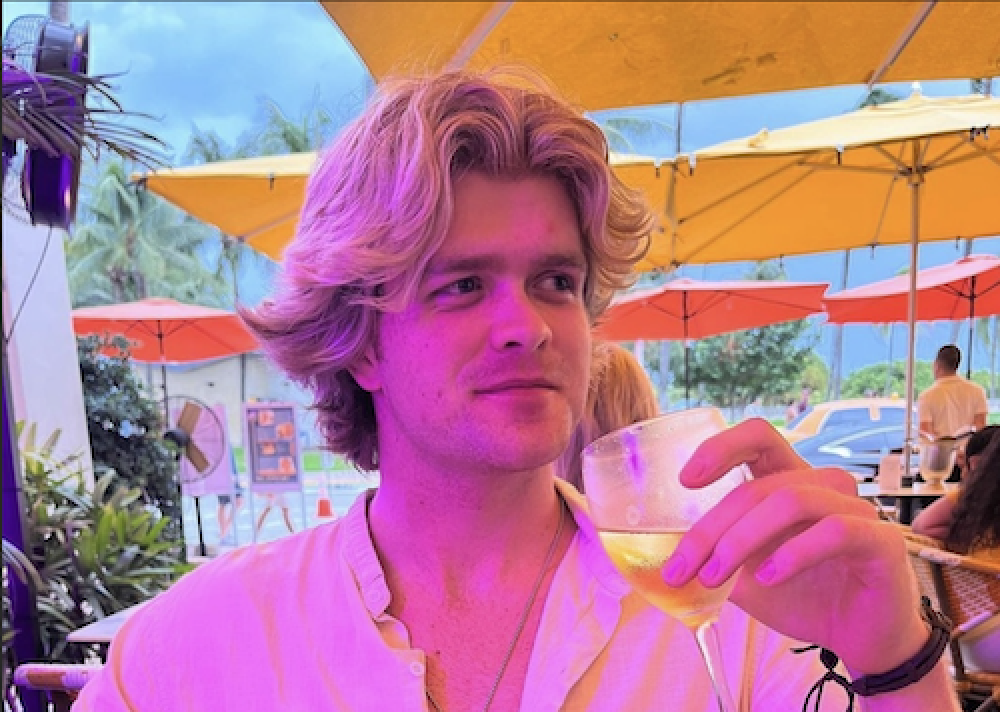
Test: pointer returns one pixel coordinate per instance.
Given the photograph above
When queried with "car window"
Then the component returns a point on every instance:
(848, 417)
(867, 442)
(891, 416)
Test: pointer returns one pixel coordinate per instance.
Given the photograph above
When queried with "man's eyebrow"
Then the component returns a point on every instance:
(482, 263)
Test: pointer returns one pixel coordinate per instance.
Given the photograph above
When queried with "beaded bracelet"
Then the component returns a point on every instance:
(899, 677)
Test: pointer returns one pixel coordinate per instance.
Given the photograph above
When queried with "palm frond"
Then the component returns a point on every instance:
(47, 112)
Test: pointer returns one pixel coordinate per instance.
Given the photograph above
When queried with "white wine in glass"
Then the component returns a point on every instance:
(641, 511)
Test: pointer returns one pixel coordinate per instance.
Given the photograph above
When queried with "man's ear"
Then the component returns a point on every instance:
(366, 371)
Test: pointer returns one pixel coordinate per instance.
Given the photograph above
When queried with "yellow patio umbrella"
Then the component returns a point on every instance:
(254, 200)
(908, 171)
(616, 54)
(833, 184)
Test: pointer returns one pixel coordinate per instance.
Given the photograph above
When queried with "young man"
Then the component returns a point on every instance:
(456, 244)
(952, 405)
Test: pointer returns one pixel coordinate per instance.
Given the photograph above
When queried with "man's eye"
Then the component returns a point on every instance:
(560, 282)
(466, 285)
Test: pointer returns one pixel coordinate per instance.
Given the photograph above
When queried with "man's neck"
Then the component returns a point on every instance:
(460, 525)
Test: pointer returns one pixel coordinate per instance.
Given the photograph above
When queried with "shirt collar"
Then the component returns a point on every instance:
(363, 561)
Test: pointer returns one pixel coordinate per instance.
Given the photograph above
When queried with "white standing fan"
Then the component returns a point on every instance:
(200, 438)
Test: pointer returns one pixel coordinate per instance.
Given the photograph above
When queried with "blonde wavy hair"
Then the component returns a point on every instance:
(378, 206)
(620, 394)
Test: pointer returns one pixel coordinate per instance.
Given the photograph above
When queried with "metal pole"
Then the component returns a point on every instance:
(916, 178)
(687, 351)
(24, 612)
(972, 326)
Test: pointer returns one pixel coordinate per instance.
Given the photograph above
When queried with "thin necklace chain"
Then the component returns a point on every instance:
(524, 616)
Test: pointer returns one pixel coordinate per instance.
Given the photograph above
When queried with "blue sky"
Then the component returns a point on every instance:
(208, 63)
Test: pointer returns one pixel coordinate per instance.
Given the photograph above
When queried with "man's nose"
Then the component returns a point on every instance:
(518, 322)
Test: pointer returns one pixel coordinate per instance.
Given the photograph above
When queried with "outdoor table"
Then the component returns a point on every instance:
(103, 630)
(907, 498)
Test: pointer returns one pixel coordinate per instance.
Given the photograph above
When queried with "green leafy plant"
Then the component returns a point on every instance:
(125, 425)
(96, 552)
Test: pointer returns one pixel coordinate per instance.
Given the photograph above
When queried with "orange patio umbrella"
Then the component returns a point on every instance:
(966, 288)
(166, 331)
(692, 309)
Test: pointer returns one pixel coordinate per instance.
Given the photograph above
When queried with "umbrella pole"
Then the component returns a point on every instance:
(972, 327)
(911, 308)
(687, 349)
(687, 376)
(163, 380)
(201, 533)
(166, 426)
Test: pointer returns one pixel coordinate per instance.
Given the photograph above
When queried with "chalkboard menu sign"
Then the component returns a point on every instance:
(272, 447)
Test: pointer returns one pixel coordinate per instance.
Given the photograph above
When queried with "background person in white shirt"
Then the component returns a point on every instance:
(456, 246)
(953, 405)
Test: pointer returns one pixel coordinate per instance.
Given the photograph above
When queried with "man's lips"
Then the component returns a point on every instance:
(518, 384)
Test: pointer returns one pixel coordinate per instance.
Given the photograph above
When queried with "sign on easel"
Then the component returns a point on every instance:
(271, 444)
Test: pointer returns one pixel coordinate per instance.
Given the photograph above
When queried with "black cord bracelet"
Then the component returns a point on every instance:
(899, 677)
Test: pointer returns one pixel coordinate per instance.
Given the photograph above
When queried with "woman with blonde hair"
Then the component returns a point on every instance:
(619, 395)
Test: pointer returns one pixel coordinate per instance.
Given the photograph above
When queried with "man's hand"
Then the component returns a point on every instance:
(817, 563)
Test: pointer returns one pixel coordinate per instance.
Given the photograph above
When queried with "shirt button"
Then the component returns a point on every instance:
(417, 669)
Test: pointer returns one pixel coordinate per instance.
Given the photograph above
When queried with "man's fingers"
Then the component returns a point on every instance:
(780, 516)
(839, 535)
(763, 510)
(753, 442)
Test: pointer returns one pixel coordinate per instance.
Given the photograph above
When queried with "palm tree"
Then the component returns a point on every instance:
(624, 133)
(280, 133)
(988, 331)
(134, 245)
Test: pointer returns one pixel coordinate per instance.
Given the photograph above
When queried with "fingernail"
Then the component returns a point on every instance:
(710, 571)
(693, 471)
(676, 567)
(766, 571)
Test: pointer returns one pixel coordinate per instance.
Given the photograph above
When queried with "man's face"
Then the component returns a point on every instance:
(487, 368)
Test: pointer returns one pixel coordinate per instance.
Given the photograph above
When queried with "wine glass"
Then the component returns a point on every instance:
(641, 511)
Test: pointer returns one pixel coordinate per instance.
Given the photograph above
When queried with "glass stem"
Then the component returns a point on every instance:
(708, 643)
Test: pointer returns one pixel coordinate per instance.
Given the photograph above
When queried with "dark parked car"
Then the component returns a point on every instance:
(857, 450)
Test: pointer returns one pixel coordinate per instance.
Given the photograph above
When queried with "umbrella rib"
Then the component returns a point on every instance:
(476, 37)
(854, 169)
(269, 226)
(940, 162)
(900, 163)
(982, 152)
(758, 208)
(901, 43)
(743, 188)
(180, 324)
(885, 211)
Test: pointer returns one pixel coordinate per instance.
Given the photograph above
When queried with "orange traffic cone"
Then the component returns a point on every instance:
(324, 508)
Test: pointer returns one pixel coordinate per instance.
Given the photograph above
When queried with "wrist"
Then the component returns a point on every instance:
(905, 642)
(920, 662)
(913, 675)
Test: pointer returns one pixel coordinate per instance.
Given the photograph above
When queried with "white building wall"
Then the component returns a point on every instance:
(44, 368)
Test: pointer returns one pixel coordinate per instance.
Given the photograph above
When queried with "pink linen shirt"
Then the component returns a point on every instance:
(302, 624)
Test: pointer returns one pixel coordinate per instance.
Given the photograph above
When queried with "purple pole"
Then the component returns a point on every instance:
(24, 614)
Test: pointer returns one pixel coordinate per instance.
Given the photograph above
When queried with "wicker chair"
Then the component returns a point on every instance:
(60, 682)
(967, 590)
